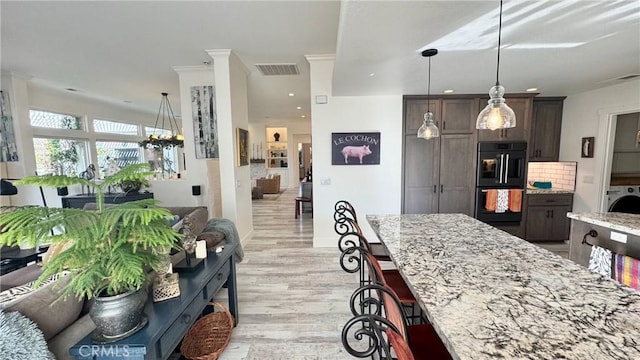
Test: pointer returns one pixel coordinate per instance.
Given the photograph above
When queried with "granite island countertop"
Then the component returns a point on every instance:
(491, 295)
(628, 223)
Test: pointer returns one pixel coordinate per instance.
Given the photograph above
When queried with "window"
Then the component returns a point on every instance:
(113, 127)
(123, 153)
(60, 156)
(54, 121)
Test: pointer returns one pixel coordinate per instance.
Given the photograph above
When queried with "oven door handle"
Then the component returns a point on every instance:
(506, 169)
(501, 168)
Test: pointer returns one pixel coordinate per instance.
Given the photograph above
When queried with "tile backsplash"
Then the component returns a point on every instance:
(561, 174)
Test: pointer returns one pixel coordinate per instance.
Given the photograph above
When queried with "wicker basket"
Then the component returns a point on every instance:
(209, 336)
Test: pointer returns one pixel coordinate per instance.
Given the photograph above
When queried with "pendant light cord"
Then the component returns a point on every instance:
(429, 84)
(499, 37)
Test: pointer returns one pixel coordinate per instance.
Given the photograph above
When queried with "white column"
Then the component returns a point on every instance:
(231, 99)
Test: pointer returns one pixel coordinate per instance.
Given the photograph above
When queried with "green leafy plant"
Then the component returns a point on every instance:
(112, 248)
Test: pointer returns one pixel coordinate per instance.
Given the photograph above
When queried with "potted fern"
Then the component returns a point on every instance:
(111, 249)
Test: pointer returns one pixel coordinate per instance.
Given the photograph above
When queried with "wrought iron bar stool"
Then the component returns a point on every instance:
(386, 316)
(353, 260)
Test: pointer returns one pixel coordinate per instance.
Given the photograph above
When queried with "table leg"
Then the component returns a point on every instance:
(232, 288)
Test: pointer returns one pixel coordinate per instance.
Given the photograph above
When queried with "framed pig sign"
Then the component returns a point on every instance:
(356, 148)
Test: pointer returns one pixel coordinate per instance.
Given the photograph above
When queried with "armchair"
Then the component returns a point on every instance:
(269, 186)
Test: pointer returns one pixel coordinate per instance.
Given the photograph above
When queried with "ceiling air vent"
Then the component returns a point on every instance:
(278, 69)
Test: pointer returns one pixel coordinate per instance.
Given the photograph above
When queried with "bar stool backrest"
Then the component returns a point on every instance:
(390, 302)
(343, 209)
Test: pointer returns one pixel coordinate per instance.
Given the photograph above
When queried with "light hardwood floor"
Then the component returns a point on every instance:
(293, 298)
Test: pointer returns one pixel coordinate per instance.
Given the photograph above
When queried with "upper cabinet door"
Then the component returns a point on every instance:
(545, 130)
(459, 116)
(522, 107)
(414, 113)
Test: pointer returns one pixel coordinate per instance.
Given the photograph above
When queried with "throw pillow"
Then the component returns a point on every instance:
(47, 308)
(21, 338)
(19, 291)
(212, 238)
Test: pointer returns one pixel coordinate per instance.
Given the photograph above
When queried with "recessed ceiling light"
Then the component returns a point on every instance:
(448, 91)
(299, 108)
(532, 89)
(292, 94)
(372, 74)
(303, 116)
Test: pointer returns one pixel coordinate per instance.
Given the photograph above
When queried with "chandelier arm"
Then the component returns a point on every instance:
(155, 126)
(172, 117)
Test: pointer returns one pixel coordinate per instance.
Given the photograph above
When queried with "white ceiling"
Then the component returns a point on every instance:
(117, 51)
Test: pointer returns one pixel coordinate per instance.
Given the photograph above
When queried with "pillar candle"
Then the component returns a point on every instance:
(201, 249)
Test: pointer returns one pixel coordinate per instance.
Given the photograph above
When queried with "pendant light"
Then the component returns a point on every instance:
(497, 114)
(428, 130)
(160, 141)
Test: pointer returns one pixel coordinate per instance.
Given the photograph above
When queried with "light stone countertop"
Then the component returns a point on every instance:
(628, 223)
(491, 295)
(547, 191)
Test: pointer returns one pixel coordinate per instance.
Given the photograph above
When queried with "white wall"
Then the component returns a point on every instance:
(372, 189)
(588, 114)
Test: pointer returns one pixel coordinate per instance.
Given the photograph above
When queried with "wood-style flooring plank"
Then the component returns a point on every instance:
(292, 298)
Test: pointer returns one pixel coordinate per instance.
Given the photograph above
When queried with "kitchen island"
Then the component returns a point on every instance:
(618, 232)
(492, 295)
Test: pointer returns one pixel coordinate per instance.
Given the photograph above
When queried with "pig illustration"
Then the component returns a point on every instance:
(355, 151)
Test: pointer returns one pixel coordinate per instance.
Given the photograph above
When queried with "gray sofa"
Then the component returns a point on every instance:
(64, 323)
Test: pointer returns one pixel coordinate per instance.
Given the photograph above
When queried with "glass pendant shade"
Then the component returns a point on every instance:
(428, 130)
(497, 114)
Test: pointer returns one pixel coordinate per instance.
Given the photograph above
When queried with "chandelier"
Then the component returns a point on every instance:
(160, 140)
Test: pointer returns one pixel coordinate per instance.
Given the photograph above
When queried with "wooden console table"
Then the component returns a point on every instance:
(78, 201)
(170, 320)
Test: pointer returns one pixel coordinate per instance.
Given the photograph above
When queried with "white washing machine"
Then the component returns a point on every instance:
(624, 198)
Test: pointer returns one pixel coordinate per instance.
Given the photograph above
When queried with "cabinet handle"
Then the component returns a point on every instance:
(186, 319)
(435, 189)
(552, 214)
(444, 124)
(548, 214)
(219, 276)
(441, 188)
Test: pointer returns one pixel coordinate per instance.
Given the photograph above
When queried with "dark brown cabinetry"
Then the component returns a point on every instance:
(438, 174)
(521, 106)
(547, 217)
(545, 129)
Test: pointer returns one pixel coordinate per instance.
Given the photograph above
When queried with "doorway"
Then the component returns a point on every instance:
(611, 170)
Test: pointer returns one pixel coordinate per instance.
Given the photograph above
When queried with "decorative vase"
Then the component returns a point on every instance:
(276, 136)
(119, 316)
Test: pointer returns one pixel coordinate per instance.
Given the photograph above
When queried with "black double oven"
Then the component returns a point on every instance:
(500, 182)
